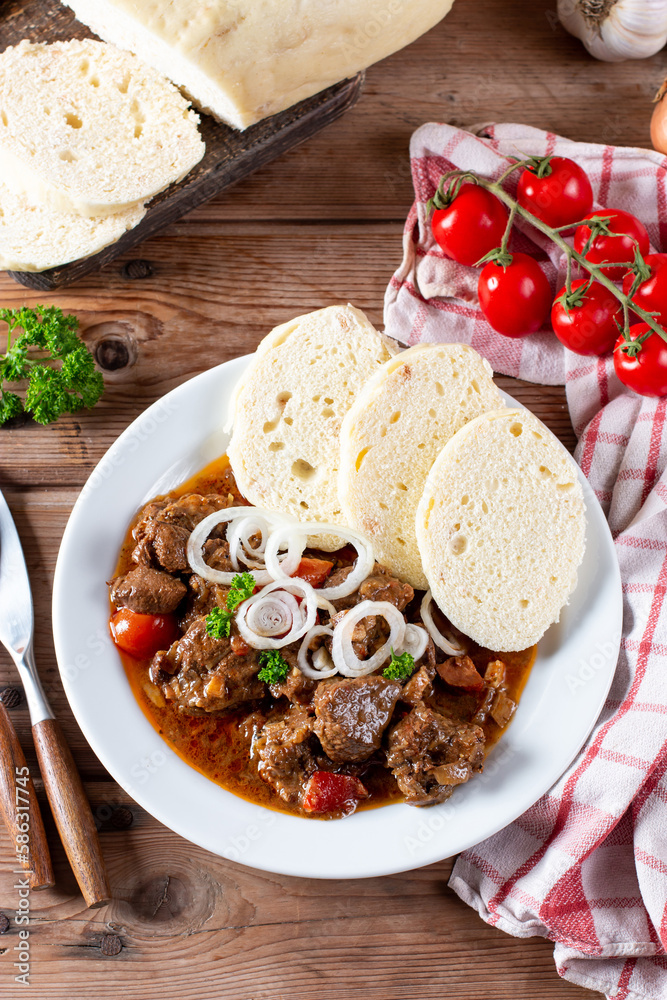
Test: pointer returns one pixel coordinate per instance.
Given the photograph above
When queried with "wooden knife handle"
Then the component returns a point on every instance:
(20, 809)
(71, 812)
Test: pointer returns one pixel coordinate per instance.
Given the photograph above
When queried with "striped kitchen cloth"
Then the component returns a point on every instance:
(586, 866)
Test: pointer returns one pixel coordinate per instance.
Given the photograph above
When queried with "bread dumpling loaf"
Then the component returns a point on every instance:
(290, 405)
(395, 429)
(500, 528)
(34, 237)
(89, 129)
(244, 60)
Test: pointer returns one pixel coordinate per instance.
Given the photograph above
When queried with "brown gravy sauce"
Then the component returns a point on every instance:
(218, 747)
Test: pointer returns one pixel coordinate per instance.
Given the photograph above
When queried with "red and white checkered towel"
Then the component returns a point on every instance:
(586, 866)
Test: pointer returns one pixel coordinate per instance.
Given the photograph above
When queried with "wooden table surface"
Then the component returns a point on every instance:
(319, 226)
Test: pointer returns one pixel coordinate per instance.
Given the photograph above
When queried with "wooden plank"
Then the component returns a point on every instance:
(190, 924)
(230, 155)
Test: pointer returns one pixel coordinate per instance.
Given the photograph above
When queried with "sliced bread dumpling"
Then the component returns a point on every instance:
(34, 237)
(89, 129)
(393, 433)
(501, 527)
(289, 407)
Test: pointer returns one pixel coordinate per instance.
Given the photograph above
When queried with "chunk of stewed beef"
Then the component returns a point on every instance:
(162, 531)
(420, 685)
(430, 754)
(200, 673)
(296, 686)
(202, 597)
(148, 591)
(461, 672)
(352, 714)
(286, 754)
(380, 585)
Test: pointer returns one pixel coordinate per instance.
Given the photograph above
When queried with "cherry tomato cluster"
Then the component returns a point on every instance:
(473, 226)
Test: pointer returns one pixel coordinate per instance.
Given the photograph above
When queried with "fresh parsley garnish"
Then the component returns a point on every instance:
(48, 354)
(241, 589)
(275, 667)
(219, 621)
(400, 667)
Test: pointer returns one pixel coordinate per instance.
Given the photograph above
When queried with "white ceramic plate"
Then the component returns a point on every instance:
(168, 443)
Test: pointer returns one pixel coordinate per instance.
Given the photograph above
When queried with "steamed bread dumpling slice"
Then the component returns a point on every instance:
(289, 407)
(501, 527)
(393, 433)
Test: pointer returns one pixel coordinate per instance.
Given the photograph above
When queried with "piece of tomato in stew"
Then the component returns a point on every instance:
(143, 635)
(332, 793)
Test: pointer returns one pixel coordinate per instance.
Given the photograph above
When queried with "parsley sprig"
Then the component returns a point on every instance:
(275, 667)
(219, 621)
(400, 667)
(48, 354)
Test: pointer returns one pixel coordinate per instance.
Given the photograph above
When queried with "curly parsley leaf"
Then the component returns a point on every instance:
(218, 623)
(275, 667)
(400, 667)
(242, 587)
(44, 349)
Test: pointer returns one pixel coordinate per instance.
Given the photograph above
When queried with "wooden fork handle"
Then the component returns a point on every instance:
(71, 812)
(20, 809)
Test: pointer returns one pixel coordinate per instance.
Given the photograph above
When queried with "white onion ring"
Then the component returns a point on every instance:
(273, 615)
(201, 532)
(316, 672)
(446, 645)
(344, 656)
(414, 642)
(239, 533)
(301, 622)
(286, 532)
(288, 536)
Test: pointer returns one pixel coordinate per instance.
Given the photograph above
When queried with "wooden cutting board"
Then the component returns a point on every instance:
(230, 154)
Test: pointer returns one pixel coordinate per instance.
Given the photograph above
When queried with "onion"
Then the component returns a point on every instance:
(294, 539)
(273, 607)
(415, 642)
(322, 665)
(344, 656)
(285, 534)
(239, 533)
(246, 521)
(446, 645)
(275, 614)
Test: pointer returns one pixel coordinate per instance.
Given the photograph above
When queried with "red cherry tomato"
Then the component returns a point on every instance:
(515, 299)
(589, 328)
(143, 635)
(652, 293)
(631, 233)
(471, 226)
(561, 197)
(646, 373)
(327, 792)
(314, 571)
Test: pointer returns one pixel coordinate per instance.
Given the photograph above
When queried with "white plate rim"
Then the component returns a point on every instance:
(371, 842)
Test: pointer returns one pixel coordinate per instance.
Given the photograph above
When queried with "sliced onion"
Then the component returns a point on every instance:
(415, 642)
(342, 651)
(274, 614)
(322, 664)
(282, 590)
(449, 646)
(290, 537)
(239, 533)
(362, 567)
(252, 515)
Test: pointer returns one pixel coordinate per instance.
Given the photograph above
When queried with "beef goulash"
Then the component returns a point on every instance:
(376, 699)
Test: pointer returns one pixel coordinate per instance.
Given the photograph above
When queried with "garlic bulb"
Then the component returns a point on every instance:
(614, 30)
